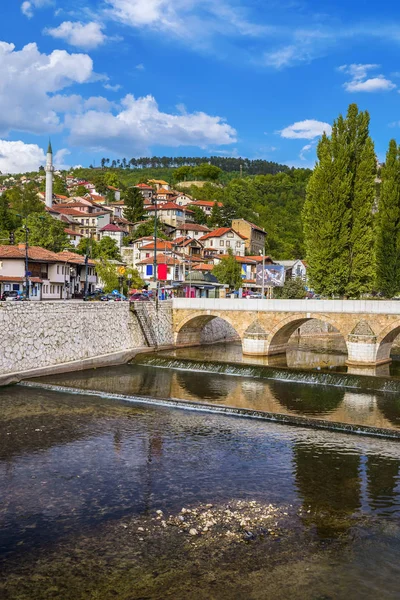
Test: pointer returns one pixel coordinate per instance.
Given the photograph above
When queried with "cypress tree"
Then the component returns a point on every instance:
(388, 225)
(337, 214)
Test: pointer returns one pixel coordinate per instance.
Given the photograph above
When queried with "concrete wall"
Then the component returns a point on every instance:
(42, 337)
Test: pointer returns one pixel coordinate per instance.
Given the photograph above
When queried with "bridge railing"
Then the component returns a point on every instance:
(390, 307)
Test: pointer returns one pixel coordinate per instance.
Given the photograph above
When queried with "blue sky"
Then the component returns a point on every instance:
(260, 79)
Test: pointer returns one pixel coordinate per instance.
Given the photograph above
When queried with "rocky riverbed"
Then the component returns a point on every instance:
(224, 551)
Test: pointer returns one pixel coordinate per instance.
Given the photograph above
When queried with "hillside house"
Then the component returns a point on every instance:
(222, 239)
(255, 236)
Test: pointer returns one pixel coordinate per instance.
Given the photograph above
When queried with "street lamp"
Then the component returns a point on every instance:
(262, 252)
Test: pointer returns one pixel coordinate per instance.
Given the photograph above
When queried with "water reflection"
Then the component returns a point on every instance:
(68, 463)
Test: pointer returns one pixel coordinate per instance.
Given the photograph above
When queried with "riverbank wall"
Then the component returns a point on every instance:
(41, 338)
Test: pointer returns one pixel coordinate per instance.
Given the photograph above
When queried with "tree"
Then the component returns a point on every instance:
(24, 201)
(388, 225)
(81, 191)
(112, 280)
(88, 246)
(215, 218)
(293, 289)
(337, 213)
(206, 171)
(108, 248)
(111, 178)
(228, 271)
(7, 217)
(59, 186)
(182, 173)
(199, 215)
(44, 231)
(146, 229)
(134, 208)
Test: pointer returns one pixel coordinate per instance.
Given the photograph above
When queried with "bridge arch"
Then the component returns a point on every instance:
(200, 328)
(281, 333)
(385, 341)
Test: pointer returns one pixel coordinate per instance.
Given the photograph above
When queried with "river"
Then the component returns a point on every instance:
(106, 497)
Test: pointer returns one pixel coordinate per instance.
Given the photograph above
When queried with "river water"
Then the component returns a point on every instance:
(276, 511)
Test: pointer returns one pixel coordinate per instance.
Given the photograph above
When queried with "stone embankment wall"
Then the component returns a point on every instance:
(39, 338)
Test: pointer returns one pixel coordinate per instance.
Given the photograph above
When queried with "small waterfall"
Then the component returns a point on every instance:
(345, 380)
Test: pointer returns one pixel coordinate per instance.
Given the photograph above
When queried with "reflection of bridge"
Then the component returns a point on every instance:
(369, 327)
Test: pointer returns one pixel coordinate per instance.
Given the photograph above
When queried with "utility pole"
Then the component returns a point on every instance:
(26, 263)
(263, 274)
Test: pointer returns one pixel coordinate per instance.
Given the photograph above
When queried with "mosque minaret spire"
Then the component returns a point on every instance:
(49, 176)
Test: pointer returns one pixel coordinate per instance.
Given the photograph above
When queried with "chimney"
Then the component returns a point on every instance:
(21, 246)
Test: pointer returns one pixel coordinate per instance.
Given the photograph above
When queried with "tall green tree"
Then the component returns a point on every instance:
(134, 207)
(199, 215)
(108, 248)
(229, 271)
(59, 186)
(337, 214)
(46, 232)
(24, 201)
(112, 280)
(388, 225)
(216, 218)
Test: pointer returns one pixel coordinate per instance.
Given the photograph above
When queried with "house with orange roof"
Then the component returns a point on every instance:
(49, 273)
(159, 183)
(193, 230)
(223, 239)
(174, 268)
(206, 205)
(170, 213)
(146, 190)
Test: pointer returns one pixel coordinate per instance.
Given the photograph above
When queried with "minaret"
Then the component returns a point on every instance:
(49, 176)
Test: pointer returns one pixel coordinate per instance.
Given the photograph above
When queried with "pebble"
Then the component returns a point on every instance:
(140, 528)
(159, 512)
(193, 531)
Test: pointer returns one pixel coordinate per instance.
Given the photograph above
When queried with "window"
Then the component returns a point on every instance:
(221, 243)
(230, 234)
(238, 244)
(58, 269)
(1, 264)
(228, 244)
(211, 243)
(62, 270)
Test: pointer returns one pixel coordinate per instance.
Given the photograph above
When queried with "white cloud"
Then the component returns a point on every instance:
(28, 7)
(112, 88)
(18, 157)
(140, 124)
(27, 84)
(140, 67)
(87, 36)
(305, 150)
(191, 20)
(307, 130)
(359, 81)
(59, 159)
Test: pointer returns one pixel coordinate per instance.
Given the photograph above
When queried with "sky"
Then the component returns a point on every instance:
(260, 79)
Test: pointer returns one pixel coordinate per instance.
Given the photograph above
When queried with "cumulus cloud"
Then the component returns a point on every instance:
(59, 159)
(305, 149)
(18, 157)
(28, 82)
(360, 82)
(28, 7)
(82, 35)
(307, 130)
(186, 19)
(112, 88)
(140, 124)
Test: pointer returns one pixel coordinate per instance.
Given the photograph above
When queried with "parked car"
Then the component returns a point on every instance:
(94, 296)
(255, 296)
(139, 297)
(9, 295)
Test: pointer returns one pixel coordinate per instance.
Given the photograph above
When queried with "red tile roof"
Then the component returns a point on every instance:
(206, 203)
(241, 259)
(169, 206)
(220, 232)
(192, 227)
(35, 253)
(161, 245)
(73, 258)
(143, 186)
(203, 267)
(112, 227)
(71, 232)
(162, 259)
(32, 279)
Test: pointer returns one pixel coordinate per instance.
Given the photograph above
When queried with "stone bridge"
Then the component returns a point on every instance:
(368, 327)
